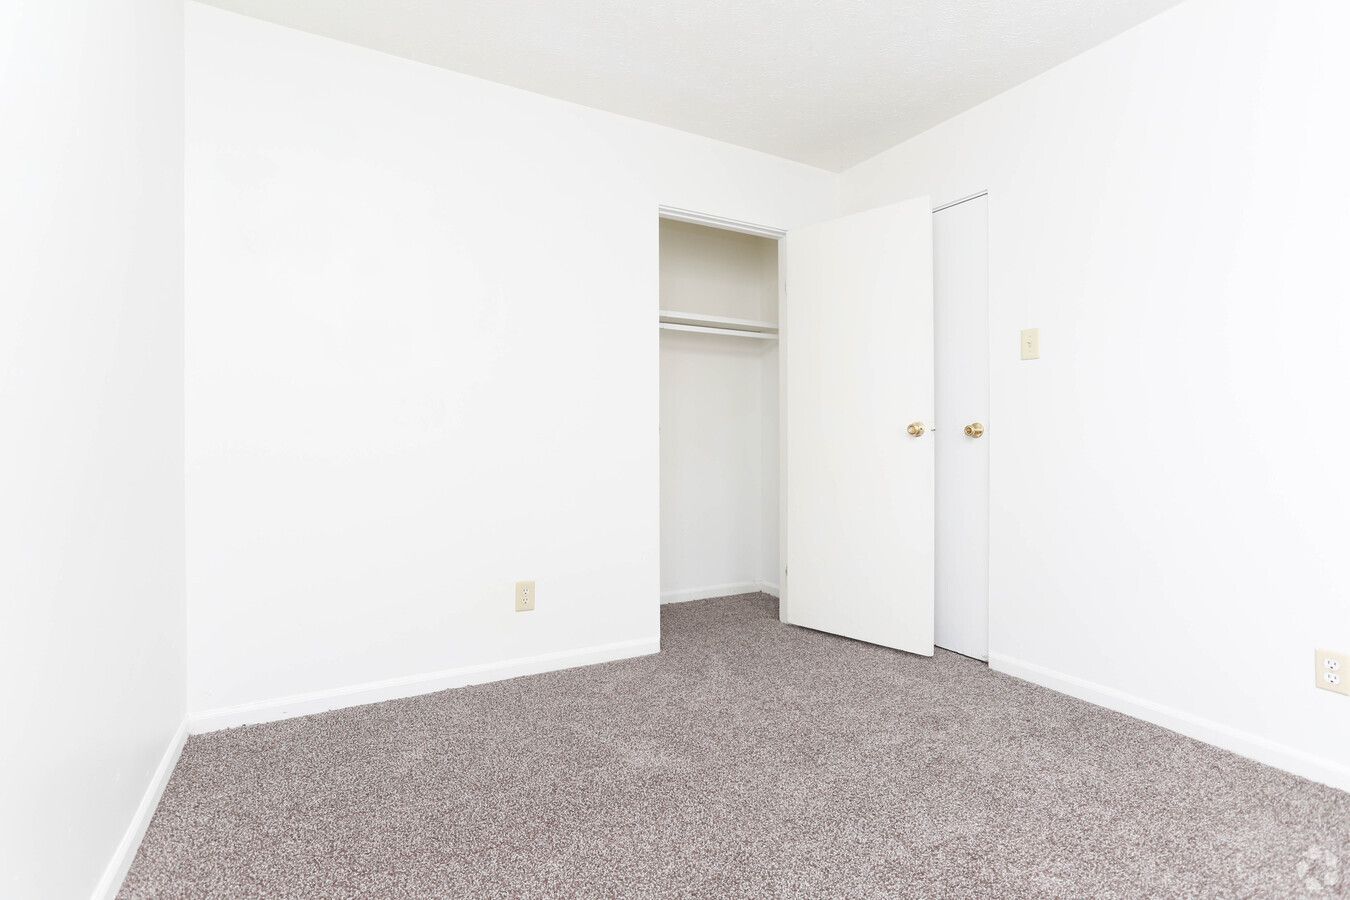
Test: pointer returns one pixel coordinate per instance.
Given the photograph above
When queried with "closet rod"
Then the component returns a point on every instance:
(730, 332)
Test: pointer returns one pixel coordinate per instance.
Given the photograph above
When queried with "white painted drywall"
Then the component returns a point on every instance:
(1168, 482)
(718, 272)
(770, 566)
(91, 412)
(719, 416)
(422, 361)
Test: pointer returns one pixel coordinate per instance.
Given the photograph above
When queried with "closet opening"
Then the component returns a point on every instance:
(719, 416)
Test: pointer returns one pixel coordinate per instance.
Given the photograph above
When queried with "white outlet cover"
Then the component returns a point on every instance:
(1328, 673)
(524, 596)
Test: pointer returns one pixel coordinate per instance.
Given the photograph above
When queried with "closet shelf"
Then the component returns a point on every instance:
(726, 332)
(674, 320)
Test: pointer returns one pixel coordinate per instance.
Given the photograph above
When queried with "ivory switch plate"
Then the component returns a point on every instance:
(1031, 343)
(1333, 672)
(524, 596)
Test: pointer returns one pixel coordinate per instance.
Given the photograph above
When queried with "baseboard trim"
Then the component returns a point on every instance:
(719, 590)
(411, 685)
(116, 870)
(1243, 743)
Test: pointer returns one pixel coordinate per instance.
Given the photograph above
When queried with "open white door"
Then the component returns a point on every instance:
(856, 331)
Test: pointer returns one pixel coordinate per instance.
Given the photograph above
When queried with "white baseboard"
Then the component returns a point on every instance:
(720, 590)
(1240, 742)
(122, 857)
(411, 685)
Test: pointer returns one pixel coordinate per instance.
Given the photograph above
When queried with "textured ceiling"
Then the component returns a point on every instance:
(825, 83)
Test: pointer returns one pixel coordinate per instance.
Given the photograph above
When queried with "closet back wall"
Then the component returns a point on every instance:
(719, 417)
(422, 363)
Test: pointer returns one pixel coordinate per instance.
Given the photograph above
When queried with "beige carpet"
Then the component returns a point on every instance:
(748, 759)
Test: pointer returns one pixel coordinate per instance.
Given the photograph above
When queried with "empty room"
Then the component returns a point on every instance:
(699, 449)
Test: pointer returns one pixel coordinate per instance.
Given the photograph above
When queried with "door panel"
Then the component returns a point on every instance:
(856, 329)
(961, 317)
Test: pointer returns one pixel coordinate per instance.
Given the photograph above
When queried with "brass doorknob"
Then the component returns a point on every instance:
(915, 429)
(974, 429)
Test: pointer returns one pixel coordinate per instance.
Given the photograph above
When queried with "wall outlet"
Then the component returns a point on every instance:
(1333, 672)
(524, 596)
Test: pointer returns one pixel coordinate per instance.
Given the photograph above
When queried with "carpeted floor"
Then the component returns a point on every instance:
(748, 759)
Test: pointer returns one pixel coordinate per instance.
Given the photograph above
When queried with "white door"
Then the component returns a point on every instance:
(961, 322)
(856, 355)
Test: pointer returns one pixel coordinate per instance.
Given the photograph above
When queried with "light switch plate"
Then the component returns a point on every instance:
(1333, 671)
(524, 596)
(1031, 343)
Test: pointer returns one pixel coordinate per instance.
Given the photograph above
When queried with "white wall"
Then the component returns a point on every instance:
(422, 363)
(719, 417)
(718, 272)
(91, 401)
(770, 565)
(1169, 485)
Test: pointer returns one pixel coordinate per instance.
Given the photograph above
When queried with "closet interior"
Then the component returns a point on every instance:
(719, 411)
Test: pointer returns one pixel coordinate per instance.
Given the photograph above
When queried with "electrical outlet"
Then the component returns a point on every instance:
(1333, 672)
(524, 596)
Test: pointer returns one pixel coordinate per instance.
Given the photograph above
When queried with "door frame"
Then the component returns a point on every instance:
(676, 214)
(778, 235)
(949, 204)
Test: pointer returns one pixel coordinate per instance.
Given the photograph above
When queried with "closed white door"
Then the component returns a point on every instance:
(856, 356)
(961, 324)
